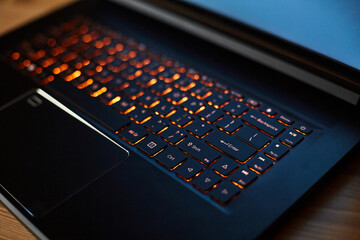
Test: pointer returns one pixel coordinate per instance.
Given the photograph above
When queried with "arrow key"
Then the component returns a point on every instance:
(206, 180)
(189, 169)
(225, 166)
(224, 192)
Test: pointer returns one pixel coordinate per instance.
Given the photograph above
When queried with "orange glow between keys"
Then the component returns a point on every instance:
(83, 29)
(48, 62)
(151, 82)
(112, 51)
(132, 54)
(38, 70)
(85, 84)
(119, 47)
(98, 68)
(60, 69)
(69, 57)
(78, 65)
(39, 54)
(99, 92)
(72, 76)
(107, 41)
(24, 64)
(87, 38)
(48, 79)
(15, 55)
(99, 44)
(115, 100)
(51, 42)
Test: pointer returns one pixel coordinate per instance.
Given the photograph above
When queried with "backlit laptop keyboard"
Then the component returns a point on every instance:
(217, 139)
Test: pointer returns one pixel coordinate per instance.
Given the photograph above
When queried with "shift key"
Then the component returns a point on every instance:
(199, 150)
(230, 145)
(264, 123)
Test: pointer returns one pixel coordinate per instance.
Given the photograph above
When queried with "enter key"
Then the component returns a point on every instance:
(230, 145)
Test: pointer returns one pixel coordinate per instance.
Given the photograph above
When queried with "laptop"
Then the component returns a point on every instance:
(174, 120)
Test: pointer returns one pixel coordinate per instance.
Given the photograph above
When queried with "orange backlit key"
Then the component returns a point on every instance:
(151, 145)
(224, 192)
(140, 114)
(133, 133)
(189, 169)
(260, 163)
(243, 177)
(171, 157)
(206, 180)
(156, 124)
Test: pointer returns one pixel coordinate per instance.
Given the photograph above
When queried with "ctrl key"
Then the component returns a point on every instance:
(171, 157)
(224, 192)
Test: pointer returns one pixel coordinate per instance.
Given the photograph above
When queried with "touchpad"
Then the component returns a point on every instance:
(49, 153)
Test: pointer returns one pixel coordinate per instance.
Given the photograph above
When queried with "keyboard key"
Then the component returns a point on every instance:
(153, 65)
(199, 128)
(193, 105)
(118, 83)
(129, 71)
(156, 124)
(230, 145)
(185, 83)
(148, 100)
(243, 177)
(140, 114)
(224, 192)
(217, 99)
(276, 151)
(251, 102)
(176, 97)
(264, 123)
(171, 157)
(164, 108)
(189, 169)
(125, 105)
(268, 110)
(133, 91)
(151, 145)
(133, 133)
(221, 87)
(229, 124)
(210, 114)
(253, 136)
(201, 91)
(236, 95)
(181, 118)
(285, 119)
(199, 150)
(161, 88)
(96, 89)
(235, 108)
(302, 128)
(145, 80)
(173, 134)
(206, 180)
(168, 75)
(291, 138)
(110, 97)
(260, 163)
(225, 166)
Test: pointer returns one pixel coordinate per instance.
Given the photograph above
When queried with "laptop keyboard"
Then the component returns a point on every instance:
(211, 135)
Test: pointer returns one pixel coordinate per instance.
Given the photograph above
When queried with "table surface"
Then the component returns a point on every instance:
(331, 211)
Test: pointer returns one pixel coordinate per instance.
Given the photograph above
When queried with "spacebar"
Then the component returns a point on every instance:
(100, 112)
